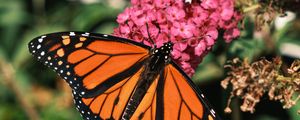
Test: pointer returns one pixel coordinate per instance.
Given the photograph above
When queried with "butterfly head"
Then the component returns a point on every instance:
(164, 51)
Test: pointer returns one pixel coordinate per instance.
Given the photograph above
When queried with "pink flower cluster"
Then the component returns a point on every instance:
(192, 27)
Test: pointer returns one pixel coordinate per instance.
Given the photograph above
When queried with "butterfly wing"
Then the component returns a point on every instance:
(102, 70)
(90, 63)
(111, 103)
(180, 98)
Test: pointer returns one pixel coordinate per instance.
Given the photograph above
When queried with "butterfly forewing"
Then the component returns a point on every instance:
(86, 60)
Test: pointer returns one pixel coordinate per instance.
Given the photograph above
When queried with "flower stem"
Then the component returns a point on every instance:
(8, 73)
(251, 8)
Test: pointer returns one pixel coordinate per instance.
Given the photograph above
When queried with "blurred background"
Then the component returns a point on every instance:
(29, 90)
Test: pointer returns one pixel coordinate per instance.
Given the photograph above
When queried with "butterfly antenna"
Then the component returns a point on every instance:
(159, 30)
(168, 35)
(129, 29)
(151, 40)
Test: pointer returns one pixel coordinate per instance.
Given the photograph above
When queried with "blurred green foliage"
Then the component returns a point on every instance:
(22, 20)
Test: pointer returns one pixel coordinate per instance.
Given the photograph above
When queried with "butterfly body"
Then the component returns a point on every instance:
(116, 78)
(153, 66)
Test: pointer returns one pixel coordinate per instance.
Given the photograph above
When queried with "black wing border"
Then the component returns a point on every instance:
(96, 36)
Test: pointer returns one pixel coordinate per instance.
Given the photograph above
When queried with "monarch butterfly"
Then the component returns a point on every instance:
(117, 78)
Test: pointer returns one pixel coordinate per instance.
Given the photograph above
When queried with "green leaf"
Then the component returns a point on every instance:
(12, 13)
(249, 27)
(12, 112)
(293, 112)
(246, 48)
(13, 17)
(209, 69)
(55, 113)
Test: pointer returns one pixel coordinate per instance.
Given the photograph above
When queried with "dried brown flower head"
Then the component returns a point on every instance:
(265, 11)
(251, 81)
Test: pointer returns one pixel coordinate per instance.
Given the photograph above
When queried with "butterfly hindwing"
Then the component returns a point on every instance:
(111, 103)
(181, 99)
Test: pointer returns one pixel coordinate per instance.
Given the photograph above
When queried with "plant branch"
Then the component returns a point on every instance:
(9, 79)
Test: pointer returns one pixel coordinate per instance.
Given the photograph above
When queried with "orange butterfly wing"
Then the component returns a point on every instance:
(102, 70)
(111, 103)
(90, 63)
(181, 99)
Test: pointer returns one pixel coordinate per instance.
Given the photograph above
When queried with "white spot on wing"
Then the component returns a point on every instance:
(212, 112)
(40, 40)
(72, 33)
(38, 47)
(86, 34)
(202, 95)
(42, 53)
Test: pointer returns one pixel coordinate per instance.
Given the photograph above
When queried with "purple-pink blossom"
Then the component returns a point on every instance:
(192, 27)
